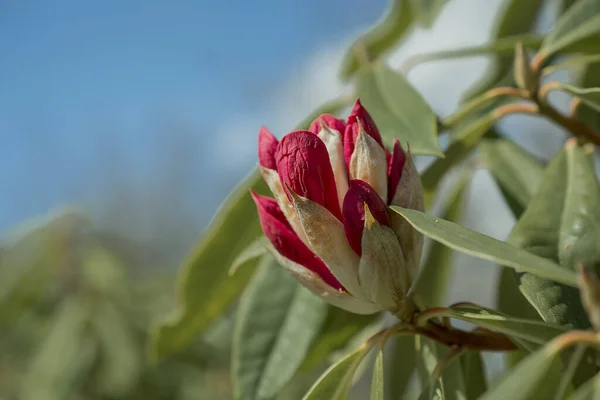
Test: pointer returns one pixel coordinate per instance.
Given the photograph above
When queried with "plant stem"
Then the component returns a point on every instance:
(481, 100)
(570, 372)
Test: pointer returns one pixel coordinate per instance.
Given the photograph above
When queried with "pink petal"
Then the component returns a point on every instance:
(359, 193)
(303, 165)
(329, 121)
(359, 113)
(279, 232)
(267, 145)
(395, 167)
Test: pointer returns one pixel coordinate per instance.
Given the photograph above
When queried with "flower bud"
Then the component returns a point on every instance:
(329, 224)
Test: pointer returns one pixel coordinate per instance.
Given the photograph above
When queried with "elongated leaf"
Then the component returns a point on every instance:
(377, 386)
(62, 357)
(580, 223)
(401, 367)
(538, 231)
(522, 382)
(478, 245)
(516, 17)
(534, 331)
(254, 250)
(474, 374)
(436, 273)
(398, 109)
(381, 38)
(336, 381)
(339, 328)
(276, 322)
(518, 172)
(461, 145)
(450, 385)
(579, 23)
(205, 288)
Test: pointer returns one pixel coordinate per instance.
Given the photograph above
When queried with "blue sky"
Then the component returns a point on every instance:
(87, 86)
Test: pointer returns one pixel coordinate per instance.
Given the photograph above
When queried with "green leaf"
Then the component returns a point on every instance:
(338, 329)
(426, 11)
(377, 381)
(522, 381)
(398, 109)
(579, 23)
(534, 331)
(64, 355)
(434, 279)
(254, 250)
(450, 385)
(538, 231)
(402, 366)
(478, 245)
(518, 172)
(474, 374)
(276, 321)
(461, 145)
(336, 381)
(379, 39)
(580, 224)
(517, 17)
(589, 391)
(205, 289)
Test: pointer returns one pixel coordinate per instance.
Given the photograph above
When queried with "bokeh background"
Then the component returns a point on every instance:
(144, 115)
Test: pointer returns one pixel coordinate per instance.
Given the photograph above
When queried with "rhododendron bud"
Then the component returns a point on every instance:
(329, 223)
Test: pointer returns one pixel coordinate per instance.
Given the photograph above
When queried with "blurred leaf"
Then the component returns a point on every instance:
(461, 145)
(339, 328)
(534, 331)
(436, 273)
(120, 353)
(398, 109)
(485, 247)
(63, 357)
(205, 289)
(426, 11)
(450, 385)
(336, 381)
(537, 231)
(589, 391)
(379, 39)
(590, 77)
(516, 17)
(473, 374)
(521, 382)
(580, 23)
(401, 367)
(276, 322)
(377, 385)
(254, 250)
(518, 172)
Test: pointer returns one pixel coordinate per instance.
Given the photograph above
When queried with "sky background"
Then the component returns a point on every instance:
(145, 114)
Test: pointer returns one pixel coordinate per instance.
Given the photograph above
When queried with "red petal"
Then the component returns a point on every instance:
(359, 113)
(329, 121)
(395, 167)
(279, 232)
(267, 145)
(303, 165)
(359, 193)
